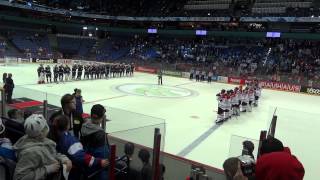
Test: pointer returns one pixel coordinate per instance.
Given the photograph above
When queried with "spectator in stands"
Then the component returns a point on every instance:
(6, 150)
(70, 146)
(9, 86)
(248, 148)
(277, 162)
(146, 170)
(4, 77)
(79, 101)
(37, 156)
(127, 172)
(232, 169)
(94, 138)
(68, 104)
(16, 114)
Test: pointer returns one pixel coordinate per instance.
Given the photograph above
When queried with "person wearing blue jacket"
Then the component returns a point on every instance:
(94, 138)
(70, 146)
(6, 150)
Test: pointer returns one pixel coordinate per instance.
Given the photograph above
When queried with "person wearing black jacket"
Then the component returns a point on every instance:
(8, 87)
(68, 104)
(146, 170)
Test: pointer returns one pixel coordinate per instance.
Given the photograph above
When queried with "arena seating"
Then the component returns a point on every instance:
(267, 7)
(32, 42)
(76, 46)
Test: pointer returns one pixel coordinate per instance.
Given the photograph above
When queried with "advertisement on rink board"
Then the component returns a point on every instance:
(222, 79)
(214, 78)
(238, 80)
(172, 73)
(44, 61)
(185, 74)
(280, 86)
(146, 69)
(310, 90)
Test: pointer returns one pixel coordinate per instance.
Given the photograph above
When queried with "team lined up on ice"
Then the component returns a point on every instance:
(232, 102)
(63, 72)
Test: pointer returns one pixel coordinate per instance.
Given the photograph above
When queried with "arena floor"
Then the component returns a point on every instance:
(188, 109)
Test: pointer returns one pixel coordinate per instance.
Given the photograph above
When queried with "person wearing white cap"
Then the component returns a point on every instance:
(36, 154)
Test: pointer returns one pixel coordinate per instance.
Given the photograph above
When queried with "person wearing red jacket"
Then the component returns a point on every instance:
(277, 162)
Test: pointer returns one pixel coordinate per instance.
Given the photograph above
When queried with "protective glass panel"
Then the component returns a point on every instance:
(298, 131)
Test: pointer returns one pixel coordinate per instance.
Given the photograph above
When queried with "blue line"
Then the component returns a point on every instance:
(197, 141)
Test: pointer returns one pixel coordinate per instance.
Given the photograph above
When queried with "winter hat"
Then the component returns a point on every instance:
(97, 111)
(2, 127)
(279, 165)
(35, 124)
(271, 144)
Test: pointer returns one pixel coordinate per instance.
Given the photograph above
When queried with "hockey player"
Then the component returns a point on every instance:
(203, 74)
(74, 71)
(132, 69)
(237, 101)
(244, 100)
(228, 106)
(191, 74)
(86, 72)
(221, 106)
(40, 68)
(42, 75)
(48, 73)
(67, 72)
(257, 94)
(160, 77)
(210, 76)
(234, 102)
(251, 99)
(197, 75)
(80, 68)
(108, 71)
(61, 71)
(55, 73)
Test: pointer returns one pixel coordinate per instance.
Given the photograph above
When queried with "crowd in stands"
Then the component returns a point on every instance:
(274, 162)
(66, 145)
(286, 60)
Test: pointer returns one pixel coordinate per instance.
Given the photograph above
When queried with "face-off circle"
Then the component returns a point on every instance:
(153, 90)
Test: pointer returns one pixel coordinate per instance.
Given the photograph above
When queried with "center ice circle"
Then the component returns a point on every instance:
(152, 90)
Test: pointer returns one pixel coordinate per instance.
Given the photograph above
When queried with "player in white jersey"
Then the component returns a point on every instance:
(221, 106)
(244, 100)
(235, 103)
(251, 99)
(257, 94)
(228, 107)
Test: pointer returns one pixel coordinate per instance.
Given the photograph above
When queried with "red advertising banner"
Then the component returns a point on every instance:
(146, 69)
(236, 80)
(280, 86)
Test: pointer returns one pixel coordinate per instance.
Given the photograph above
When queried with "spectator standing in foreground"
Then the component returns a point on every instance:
(79, 101)
(68, 104)
(8, 87)
(94, 138)
(146, 170)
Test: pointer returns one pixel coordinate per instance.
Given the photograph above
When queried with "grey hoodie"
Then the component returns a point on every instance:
(33, 155)
(90, 128)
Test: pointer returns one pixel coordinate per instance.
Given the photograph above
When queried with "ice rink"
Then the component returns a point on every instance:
(188, 109)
